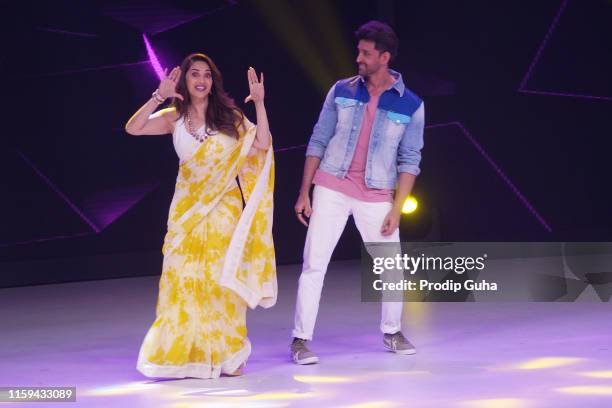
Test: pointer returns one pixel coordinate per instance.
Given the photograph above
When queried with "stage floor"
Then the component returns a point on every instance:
(468, 354)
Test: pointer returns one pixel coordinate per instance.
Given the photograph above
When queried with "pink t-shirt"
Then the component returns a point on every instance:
(353, 184)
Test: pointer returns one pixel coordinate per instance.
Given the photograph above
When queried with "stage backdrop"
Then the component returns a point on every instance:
(517, 94)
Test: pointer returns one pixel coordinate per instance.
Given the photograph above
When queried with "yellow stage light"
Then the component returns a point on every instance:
(587, 390)
(598, 374)
(497, 403)
(548, 362)
(410, 205)
(313, 379)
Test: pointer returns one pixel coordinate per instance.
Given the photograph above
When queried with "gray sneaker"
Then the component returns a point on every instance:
(398, 343)
(300, 353)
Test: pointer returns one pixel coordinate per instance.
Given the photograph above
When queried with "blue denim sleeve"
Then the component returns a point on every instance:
(409, 153)
(324, 129)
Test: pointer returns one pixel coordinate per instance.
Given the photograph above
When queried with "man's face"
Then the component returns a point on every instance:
(369, 59)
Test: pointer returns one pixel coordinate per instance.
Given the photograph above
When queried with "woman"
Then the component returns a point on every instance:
(218, 257)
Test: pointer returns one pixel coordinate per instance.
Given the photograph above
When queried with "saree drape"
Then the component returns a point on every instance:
(218, 259)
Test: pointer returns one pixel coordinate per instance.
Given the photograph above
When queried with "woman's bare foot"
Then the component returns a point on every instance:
(238, 371)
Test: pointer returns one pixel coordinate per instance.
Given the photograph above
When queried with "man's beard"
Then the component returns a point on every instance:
(366, 71)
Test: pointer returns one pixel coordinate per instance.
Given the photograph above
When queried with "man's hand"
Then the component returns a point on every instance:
(391, 222)
(302, 208)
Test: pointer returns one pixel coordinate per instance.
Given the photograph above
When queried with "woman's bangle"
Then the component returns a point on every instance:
(158, 98)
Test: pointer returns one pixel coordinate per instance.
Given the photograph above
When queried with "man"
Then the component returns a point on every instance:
(363, 158)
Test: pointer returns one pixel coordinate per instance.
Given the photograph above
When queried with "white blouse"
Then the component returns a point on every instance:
(186, 145)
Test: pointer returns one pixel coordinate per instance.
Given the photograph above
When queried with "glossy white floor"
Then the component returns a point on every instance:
(468, 354)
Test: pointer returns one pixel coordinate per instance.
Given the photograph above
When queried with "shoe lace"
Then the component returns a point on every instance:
(299, 344)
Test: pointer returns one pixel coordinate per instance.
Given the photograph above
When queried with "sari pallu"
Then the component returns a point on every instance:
(218, 259)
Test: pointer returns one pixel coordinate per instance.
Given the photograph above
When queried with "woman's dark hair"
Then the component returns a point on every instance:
(222, 113)
(381, 34)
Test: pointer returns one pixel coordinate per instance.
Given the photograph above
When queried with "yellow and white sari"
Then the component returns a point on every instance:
(218, 258)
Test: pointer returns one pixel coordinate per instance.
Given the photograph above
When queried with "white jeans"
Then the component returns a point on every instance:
(330, 211)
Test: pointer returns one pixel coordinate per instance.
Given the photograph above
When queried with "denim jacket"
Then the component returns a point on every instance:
(397, 133)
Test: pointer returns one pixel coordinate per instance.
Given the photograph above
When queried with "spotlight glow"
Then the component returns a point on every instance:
(159, 71)
(228, 392)
(122, 389)
(587, 390)
(272, 396)
(410, 205)
(497, 403)
(548, 362)
(314, 379)
(373, 404)
(597, 374)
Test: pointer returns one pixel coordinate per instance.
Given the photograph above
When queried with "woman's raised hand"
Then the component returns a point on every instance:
(256, 86)
(167, 86)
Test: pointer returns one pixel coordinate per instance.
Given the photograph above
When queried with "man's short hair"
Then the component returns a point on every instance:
(381, 34)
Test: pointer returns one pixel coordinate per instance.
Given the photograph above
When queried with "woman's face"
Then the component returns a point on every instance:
(199, 80)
